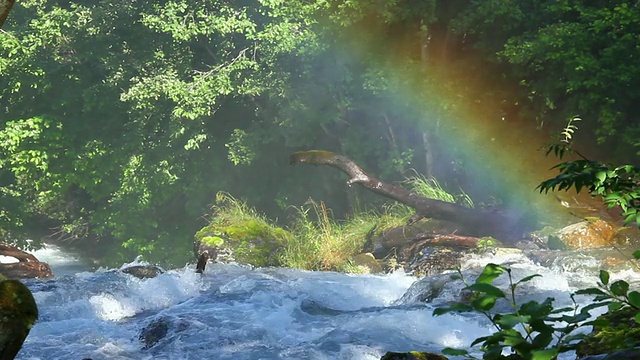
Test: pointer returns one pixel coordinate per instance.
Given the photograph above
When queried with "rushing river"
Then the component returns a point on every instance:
(235, 312)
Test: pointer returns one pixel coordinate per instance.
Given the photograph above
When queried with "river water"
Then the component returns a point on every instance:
(235, 312)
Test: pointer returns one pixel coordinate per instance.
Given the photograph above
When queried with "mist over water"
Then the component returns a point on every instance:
(235, 312)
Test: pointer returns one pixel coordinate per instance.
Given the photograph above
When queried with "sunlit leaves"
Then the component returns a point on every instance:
(239, 150)
(618, 185)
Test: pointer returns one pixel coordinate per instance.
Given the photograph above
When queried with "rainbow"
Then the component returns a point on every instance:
(505, 153)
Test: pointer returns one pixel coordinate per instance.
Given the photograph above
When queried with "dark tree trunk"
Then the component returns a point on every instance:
(5, 7)
(473, 222)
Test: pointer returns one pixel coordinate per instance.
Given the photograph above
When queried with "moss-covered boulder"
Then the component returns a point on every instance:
(614, 331)
(239, 230)
(413, 355)
(18, 313)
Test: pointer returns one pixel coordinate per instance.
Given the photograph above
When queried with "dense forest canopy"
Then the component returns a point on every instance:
(123, 119)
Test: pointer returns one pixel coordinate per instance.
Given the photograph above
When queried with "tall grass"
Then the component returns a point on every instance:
(315, 240)
(430, 188)
(321, 243)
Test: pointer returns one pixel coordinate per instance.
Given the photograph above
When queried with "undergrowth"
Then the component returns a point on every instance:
(314, 240)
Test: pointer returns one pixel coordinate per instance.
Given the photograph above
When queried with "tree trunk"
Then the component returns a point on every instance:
(473, 222)
(5, 7)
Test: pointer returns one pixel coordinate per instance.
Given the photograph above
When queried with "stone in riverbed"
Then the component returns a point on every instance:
(588, 234)
(143, 271)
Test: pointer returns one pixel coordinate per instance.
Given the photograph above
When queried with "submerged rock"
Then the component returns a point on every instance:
(143, 271)
(426, 289)
(155, 331)
(18, 313)
(161, 328)
(25, 266)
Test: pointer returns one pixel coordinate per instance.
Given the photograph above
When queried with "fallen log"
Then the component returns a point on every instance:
(473, 222)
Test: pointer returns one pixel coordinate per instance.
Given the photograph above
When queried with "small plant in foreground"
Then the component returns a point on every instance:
(533, 331)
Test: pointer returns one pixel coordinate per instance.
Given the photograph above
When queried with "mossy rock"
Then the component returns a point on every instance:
(616, 330)
(18, 313)
(413, 355)
(252, 241)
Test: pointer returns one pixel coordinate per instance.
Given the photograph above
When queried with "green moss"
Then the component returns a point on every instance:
(213, 241)
(616, 330)
(18, 313)
(252, 239)
(487, 242)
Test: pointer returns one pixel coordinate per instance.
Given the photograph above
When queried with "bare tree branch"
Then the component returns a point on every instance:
(476, 222)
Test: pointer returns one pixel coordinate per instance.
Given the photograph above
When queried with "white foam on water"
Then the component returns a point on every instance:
(61, 262)
(235, 312)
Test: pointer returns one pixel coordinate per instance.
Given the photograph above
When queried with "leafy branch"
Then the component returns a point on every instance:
(618, 185)
(536, 330)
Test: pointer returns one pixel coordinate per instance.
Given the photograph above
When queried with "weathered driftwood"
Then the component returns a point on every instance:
(474, 222)
(26, 267)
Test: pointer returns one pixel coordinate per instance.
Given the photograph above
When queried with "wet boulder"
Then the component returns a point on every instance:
(18, 313)
(367, 262)
(142, 271)
(588, 234)
(18, 264)
(159, 329)
(155, 331)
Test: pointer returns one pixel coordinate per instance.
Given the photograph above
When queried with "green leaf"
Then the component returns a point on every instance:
(487, 289)
(508, 321)
(490, 273)
(542, 340)
(455, 307)
(634, 299)
(604, 277)
(536, 309)
(454, 352)
(514, 340)
(619, 288)
(614, 305)
(636, 317)
(636, 254)
(528, 278)
(547, 354)
(484, 303)
(480, 340)
(590, 291)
